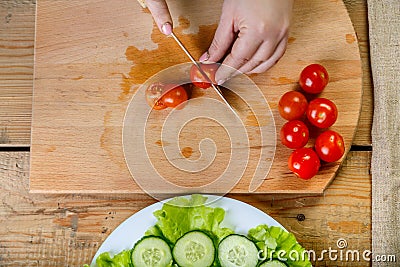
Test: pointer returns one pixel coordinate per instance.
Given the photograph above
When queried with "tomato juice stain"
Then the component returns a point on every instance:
(187, 152)
(252, 120)
(159, 143)
(282, 81)
(350, 38)
(80, 77)
(291, 40)
(162, 143)
(146, 63)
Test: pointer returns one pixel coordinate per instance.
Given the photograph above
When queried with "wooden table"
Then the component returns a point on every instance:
(66, 230)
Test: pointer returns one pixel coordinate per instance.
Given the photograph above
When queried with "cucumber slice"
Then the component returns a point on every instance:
(194, 249)
(237, 251)
(273, 263)
(151, 251)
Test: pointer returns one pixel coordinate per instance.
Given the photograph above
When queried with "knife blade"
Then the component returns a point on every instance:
(215, 87)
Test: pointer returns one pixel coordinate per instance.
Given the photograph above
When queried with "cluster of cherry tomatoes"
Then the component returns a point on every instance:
(320, 113)
(293, 107)
(160, 95)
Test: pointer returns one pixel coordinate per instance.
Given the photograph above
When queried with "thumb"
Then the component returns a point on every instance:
(223, 39)
(160, 12)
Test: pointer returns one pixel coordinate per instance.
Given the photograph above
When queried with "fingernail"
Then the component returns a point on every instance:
(204, 57)
(166, 28)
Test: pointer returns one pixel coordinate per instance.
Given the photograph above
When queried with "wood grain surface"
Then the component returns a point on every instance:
(18, 29)
(84, 80)
(358, 14)
(67, 229)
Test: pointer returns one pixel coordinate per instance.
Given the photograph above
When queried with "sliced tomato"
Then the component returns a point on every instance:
(153, 96)
(198, 78)
(160, 96)
(174, 97)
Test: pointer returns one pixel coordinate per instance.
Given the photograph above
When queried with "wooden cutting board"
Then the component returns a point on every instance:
(93, 58)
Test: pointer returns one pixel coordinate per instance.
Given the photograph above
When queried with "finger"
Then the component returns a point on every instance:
(279, 52)
(263, 53)
(222, 41)
(160, 12)
(242, 51)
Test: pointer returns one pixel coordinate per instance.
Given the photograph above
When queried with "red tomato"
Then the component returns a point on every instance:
(292, 105)
(304, 162)
(153, 96)
(174, 97)
(158, 105)
(160, 96)
(314, 78)
(198, 78)
(322, 112)
(329, 146)
(294, 134)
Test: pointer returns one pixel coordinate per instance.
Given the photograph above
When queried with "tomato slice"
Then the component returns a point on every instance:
(153, 96)
(294, 134)
(160, 96)
(198, 78)
(329, 146)
(292, 105)
(314, 78)
(322, 112)
(174, 97)
(304, 162)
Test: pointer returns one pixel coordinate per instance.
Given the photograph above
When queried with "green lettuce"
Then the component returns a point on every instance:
(181, 215)
(276, 243)
(122, 259)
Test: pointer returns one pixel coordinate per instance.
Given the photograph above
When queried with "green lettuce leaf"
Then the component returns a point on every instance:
(276, 243)
(122, 259)
(181, 215)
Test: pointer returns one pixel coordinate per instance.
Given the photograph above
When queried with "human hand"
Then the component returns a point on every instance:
(257, 33)
(160, 12)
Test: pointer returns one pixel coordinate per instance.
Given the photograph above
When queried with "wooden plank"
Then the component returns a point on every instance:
(15, 98)
(79, 102)
(17, 27)
(66, 230)
(358, 13)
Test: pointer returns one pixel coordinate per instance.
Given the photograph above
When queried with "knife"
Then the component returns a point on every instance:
(215, 87)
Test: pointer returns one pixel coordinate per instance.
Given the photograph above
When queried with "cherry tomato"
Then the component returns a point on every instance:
(294, 134)
(153, 96)
(329, 146)
(292, 105)
(160, 96)
(322, 112)
(159, 105)
(174, 97)
(198, 78)
(314, 78)
(304, 162)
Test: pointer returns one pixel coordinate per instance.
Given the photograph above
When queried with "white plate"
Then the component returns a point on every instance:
(239, 216)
